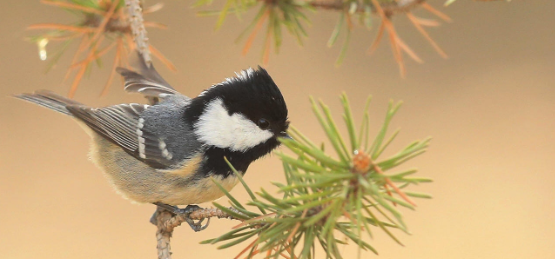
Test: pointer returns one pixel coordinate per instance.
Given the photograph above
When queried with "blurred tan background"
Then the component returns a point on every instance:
(490, 109)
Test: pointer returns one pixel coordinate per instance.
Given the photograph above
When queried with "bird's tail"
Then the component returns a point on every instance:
(49, 100)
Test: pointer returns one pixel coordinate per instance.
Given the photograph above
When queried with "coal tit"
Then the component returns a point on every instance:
(166, 152)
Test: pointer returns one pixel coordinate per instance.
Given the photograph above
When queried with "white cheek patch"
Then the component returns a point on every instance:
(236, 132)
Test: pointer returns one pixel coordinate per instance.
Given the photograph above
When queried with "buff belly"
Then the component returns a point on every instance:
(141, 183)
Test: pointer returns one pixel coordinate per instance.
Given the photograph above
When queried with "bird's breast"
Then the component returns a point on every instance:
(199, 190)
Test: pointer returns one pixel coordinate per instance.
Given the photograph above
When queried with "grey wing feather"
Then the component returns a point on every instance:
(117, 123)
(123, 125)
(146, 81)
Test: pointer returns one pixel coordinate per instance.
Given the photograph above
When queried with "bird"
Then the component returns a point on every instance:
(170, 151)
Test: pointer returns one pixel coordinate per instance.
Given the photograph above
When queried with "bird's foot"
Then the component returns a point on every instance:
(196, 226)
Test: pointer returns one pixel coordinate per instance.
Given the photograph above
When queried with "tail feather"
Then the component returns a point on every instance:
(145, 80)
(49, 100)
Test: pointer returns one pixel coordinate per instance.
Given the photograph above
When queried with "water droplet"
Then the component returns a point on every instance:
(42, 48)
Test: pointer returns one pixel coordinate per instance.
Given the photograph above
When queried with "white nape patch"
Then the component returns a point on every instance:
(140, 125)
(165, 152)
(206, 91)
(236, 132)
(243, 76)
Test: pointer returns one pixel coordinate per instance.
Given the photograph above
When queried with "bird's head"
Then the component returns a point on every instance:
(246, 113)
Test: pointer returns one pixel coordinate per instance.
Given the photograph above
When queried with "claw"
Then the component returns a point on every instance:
(205, 226)
(153, 218)
(196, 226)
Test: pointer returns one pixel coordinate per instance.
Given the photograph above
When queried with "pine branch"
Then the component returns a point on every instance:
(388, 7)
(448, 2)
(290, 14)
(101, 27)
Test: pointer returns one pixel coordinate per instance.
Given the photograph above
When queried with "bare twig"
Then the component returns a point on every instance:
(164, 233)
(212, 212)
(138, 28)
(389, 8)
(166, 222)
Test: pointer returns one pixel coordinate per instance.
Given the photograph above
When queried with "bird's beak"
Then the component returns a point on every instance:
(284, 134)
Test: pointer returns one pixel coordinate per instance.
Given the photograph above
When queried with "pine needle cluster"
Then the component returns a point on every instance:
(327, 200)
(100, 26)
(103, 25)
(290, 16)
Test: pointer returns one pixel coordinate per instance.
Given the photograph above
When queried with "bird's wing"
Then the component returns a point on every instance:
(146, 80)
(122, 124)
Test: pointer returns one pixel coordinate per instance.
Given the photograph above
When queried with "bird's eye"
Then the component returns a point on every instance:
(263, 123)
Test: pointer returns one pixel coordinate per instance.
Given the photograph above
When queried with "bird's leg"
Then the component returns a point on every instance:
(196, 226)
